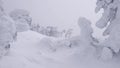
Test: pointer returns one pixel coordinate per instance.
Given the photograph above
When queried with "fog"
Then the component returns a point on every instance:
(61, 13)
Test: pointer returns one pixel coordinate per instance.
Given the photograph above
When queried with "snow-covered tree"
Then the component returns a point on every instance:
(7, 31)
(22, 19)
(1, 8)
(85, 29)
(110, 10)
(110, 18)
(85, 38)
(68, 33)
(51, 31)
(34, 27)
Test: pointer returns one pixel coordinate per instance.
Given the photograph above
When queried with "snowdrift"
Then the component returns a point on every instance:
(26, 52)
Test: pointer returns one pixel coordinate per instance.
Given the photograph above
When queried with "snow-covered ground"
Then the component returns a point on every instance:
(29, 52)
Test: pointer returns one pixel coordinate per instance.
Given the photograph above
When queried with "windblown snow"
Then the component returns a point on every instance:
(29, 52)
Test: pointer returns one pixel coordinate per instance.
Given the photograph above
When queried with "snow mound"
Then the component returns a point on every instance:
(106, 54)
(27, 53)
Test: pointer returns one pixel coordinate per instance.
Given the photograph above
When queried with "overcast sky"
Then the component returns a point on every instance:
(61, 13)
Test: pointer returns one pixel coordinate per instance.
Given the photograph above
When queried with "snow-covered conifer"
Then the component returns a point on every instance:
(22, 19)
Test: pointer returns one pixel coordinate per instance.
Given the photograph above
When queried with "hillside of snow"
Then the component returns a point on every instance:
(26, 52)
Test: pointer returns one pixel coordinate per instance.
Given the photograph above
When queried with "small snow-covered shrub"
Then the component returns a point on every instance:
(47, 44)
(106, 54)
(51, 31)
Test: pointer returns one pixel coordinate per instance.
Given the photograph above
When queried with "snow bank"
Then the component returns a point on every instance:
(26, 53)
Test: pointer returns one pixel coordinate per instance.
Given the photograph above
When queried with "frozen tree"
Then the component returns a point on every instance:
(85, 38)
(22, 19)
(43, 31)
(52, 31)
(39, 29)
(86, 29)
(110, 17)
(7, 31)
(34, 27)
(68, 33)
(110, 10)
(1, 8)
(55, 32)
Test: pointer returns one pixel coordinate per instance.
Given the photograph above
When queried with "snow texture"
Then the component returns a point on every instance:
(35, 50)
(26, 53)
(106, 54)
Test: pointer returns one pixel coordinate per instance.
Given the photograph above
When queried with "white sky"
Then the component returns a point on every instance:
(61, 13)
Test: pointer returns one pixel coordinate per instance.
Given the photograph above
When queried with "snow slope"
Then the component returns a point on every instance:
(26, 52)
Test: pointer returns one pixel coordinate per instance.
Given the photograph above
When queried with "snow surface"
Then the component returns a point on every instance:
(26, 52)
